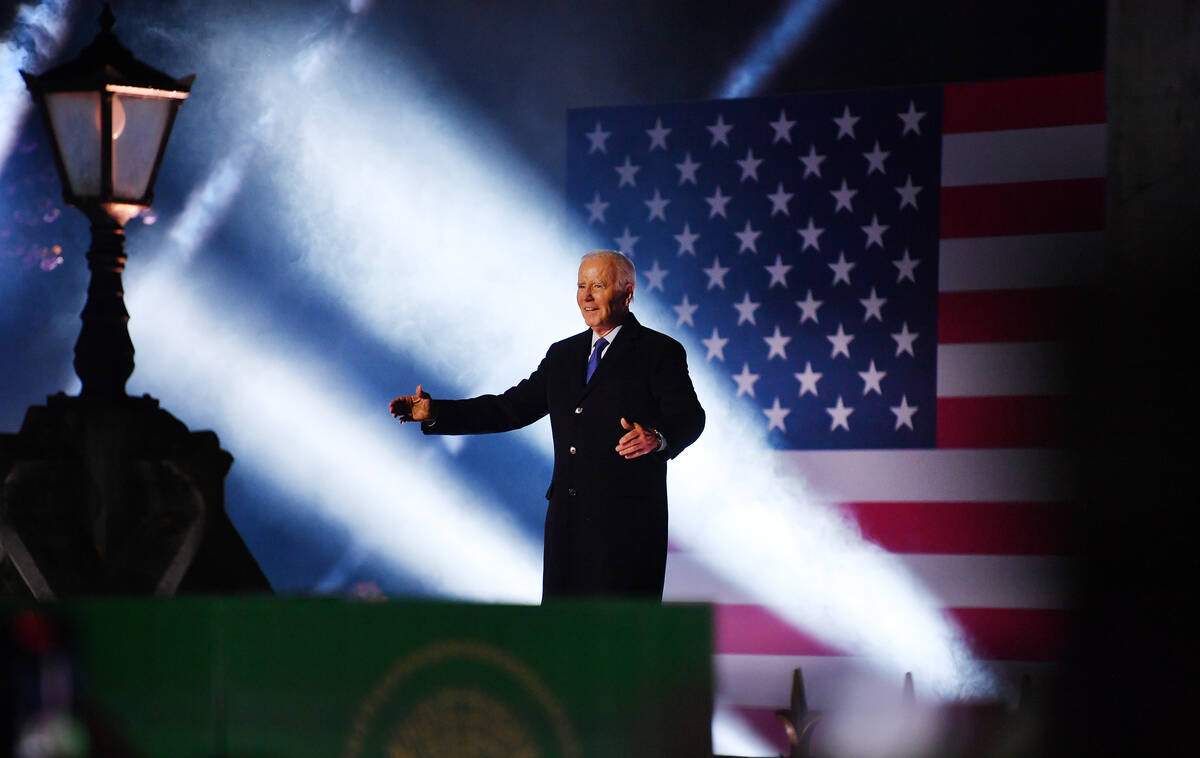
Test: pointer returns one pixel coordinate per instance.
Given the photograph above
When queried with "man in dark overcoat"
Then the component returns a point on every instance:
(621, 404)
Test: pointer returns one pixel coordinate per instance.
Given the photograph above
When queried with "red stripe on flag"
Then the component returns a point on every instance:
(965, 528)
(991, 422)
(1020, 315)
(1000, 634)
(753, 629)
(996, 210)
(1024, 103)
(1015, 634)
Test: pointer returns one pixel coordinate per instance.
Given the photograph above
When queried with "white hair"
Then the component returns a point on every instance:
(626, 272)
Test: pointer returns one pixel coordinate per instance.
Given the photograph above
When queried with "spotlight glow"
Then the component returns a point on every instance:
(731, 735)
(772, 47)
(35, 38)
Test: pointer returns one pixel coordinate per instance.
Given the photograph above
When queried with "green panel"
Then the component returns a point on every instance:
(152, 667)
(298, 677)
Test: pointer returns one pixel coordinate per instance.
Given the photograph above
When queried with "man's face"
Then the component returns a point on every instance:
(601, 302)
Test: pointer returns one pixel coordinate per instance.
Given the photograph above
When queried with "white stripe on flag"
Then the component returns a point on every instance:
(1023, 155)
(765, 681)
(1019, 261)
(992, 369)
(1002, 475)
(959, 581)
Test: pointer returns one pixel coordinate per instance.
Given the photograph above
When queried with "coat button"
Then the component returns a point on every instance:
(571, 492)
(578, 410)
(572, 450)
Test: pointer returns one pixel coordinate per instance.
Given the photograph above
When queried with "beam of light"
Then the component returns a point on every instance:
(34, 39)
(439, 247)
(272, 401)
(210, 200)
(731, 735)
(774, 44)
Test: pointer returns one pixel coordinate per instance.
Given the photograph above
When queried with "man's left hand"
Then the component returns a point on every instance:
(637, 441)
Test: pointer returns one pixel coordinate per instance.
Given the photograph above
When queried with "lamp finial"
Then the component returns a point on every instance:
(107, 19)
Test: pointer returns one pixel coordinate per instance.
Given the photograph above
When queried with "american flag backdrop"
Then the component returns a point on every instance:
(889, 279)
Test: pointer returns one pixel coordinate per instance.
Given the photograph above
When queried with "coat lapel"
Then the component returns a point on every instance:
(616, 355)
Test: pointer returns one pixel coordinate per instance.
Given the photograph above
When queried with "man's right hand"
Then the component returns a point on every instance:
(412, 407)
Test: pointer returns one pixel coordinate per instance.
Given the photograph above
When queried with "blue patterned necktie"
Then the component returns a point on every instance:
(594, 361)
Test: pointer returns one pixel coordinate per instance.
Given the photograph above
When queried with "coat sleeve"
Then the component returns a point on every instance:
(514, 408)
(681, 419)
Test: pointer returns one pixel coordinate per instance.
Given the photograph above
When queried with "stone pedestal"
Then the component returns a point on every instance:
(116, 496)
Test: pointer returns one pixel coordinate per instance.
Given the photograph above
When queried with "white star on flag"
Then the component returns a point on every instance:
(687, 170)
(840, 341)
(658, 135)
(871, 379)
(812, 162)
(808, 379)
(685, 310)
(904, 340)
(626, 242)
(749, 165)
(654, 277)
(627, 172)
(778, 272)
(808, 307)
(748, 238)
(875, 159)
(657, 206)
(908, 193)
(912, 119)
(777, 344)
(745, 381)
(687, 240)
(775, 415)
(904, 413)
(811, 235)
(845, 124)
(874, 232)
(717, 203)
(716, 345)
(746, 310)
(783, 128)
(844, 198)
(779, 201)
(716, 274)
(874, 305)
(841, 269)
(598, 138)
(720, 131)
(906, 267)
(840, 415)
(596, 209)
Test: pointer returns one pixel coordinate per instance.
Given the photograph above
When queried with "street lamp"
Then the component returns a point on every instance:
(105, 493)
(109, 116)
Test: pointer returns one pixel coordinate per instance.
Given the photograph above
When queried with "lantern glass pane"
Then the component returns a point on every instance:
(135, 145)
(75, 121)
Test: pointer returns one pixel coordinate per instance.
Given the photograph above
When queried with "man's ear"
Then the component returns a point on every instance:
(628, 294)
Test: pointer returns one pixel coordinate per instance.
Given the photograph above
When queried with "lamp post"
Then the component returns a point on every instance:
(105, 493)
(109, 116)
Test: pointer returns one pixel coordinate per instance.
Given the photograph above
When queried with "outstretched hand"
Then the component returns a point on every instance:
(411, 407)
(637, 441)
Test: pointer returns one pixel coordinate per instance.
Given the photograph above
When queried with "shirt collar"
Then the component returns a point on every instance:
(612, 335)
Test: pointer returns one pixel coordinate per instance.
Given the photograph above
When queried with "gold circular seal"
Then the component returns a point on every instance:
(460, 699)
